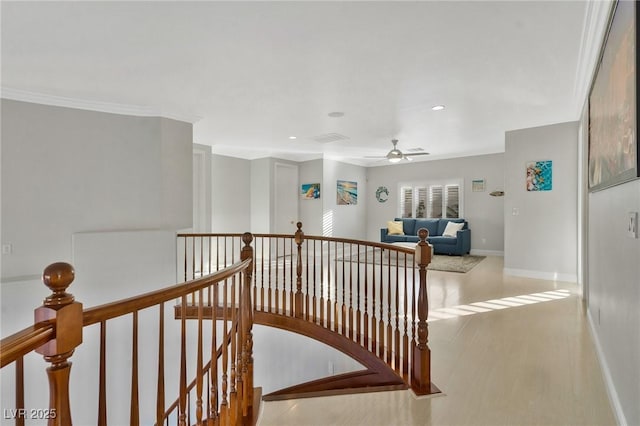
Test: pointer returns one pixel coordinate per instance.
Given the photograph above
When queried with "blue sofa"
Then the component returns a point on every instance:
(458, 245)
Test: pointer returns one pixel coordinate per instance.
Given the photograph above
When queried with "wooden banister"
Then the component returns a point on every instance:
(374, 294)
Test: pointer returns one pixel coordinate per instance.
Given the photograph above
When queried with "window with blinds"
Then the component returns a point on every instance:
(441, 200)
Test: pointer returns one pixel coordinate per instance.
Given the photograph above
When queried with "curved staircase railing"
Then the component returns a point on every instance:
(221, 391)
(373, 295)
(366, 299)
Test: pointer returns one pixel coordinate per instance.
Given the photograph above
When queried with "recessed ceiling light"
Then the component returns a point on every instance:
(438, 108)
(336, 114)
(293, 137)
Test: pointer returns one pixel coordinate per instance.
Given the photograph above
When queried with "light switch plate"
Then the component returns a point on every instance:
(633, 225)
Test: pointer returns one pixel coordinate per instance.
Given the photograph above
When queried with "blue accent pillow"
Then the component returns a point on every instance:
(430, 224)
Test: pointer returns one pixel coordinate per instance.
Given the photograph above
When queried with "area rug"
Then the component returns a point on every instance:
(439, 262)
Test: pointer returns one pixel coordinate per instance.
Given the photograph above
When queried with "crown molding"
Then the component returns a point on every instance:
(112, 108)
(596, 20)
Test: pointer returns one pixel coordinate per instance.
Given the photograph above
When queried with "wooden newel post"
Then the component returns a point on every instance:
(299, 237)
(421, 374)
(61, 308)
(247, 321)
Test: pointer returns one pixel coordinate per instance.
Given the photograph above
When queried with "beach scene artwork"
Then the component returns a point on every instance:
(310, 191)
(347, 192)
(539, 176)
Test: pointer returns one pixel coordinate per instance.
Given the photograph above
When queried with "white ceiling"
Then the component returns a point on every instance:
(254, 73)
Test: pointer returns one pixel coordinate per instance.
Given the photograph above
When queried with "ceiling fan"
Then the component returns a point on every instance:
(396, 155)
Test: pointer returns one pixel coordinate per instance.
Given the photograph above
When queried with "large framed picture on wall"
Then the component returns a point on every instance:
(613, 103)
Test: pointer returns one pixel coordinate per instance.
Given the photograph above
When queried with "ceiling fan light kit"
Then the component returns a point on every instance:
(395, 155)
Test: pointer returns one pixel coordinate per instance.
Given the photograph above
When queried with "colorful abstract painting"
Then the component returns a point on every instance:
(347, 192)
(539, 175)
(613, 138)
(310, 191)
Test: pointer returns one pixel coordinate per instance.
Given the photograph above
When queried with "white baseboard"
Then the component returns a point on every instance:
(606, 374)
(477, 252)
(542, 275)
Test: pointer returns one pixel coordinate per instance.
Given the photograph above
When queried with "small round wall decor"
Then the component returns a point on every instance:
(382, 194)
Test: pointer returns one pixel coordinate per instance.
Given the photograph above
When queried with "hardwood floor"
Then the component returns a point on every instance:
(505, 351)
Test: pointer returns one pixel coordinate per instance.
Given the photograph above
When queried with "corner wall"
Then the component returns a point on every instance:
(540, 226)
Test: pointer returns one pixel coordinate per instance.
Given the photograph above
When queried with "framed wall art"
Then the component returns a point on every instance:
(477, 185)
(346, 192)
(310, 191)
(539, 175)
(613, 103)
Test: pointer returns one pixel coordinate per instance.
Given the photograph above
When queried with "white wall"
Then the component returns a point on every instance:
(541, 240)
(105, 192)
(68, 170)
(311, 210)
(345, 221)
(614, 294)
(260, 192)
(231, 194)
(484, 213)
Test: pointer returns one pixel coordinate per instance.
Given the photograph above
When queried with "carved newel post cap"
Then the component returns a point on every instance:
(299, 226)
(247, 237)
(58, 277)
(423, 233)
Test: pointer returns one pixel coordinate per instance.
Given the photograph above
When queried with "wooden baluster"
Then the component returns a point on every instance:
(344, 284)
(232, 379)
(389, 326)
(358, 312)
(20, 391)
(193, 258)
(247, 312)
(199, 361)
(299, 238)
(102, 385)
(224, 405)
(182, 406)
(262, 276)
(160, 385)
(335, 285)
(329, 284)
(315, 302)
(322, 284)
(62, 308)
(351, 291)
(213, 394)
(186, 257)
(276, 283)
(292, 293)
(405, 338)
(421, 377)
(134, 415)
(397, 312)
(365, 332)
(306, 294)
(374, 322)
(284, 277)
(381, 344)
(201, 257)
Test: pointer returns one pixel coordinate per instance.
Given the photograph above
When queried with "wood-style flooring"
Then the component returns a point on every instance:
(505, 351)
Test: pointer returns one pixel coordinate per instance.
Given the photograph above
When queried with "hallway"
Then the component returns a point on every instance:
(505, 351)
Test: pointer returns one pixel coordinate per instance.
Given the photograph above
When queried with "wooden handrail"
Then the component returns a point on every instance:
(25, 341)
(137, 303)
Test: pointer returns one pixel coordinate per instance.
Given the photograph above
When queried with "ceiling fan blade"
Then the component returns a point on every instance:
(416, 153)
(374, 156)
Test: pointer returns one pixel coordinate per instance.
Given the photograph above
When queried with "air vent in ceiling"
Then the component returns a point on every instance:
(330, 137)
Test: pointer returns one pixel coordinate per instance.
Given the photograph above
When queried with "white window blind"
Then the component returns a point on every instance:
(421, 202)
(435, 201)
(431, 200)
(451, 201)
(406, 201)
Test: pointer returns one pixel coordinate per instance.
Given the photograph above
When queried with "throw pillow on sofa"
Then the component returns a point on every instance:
(452, 229)
(394, 228)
